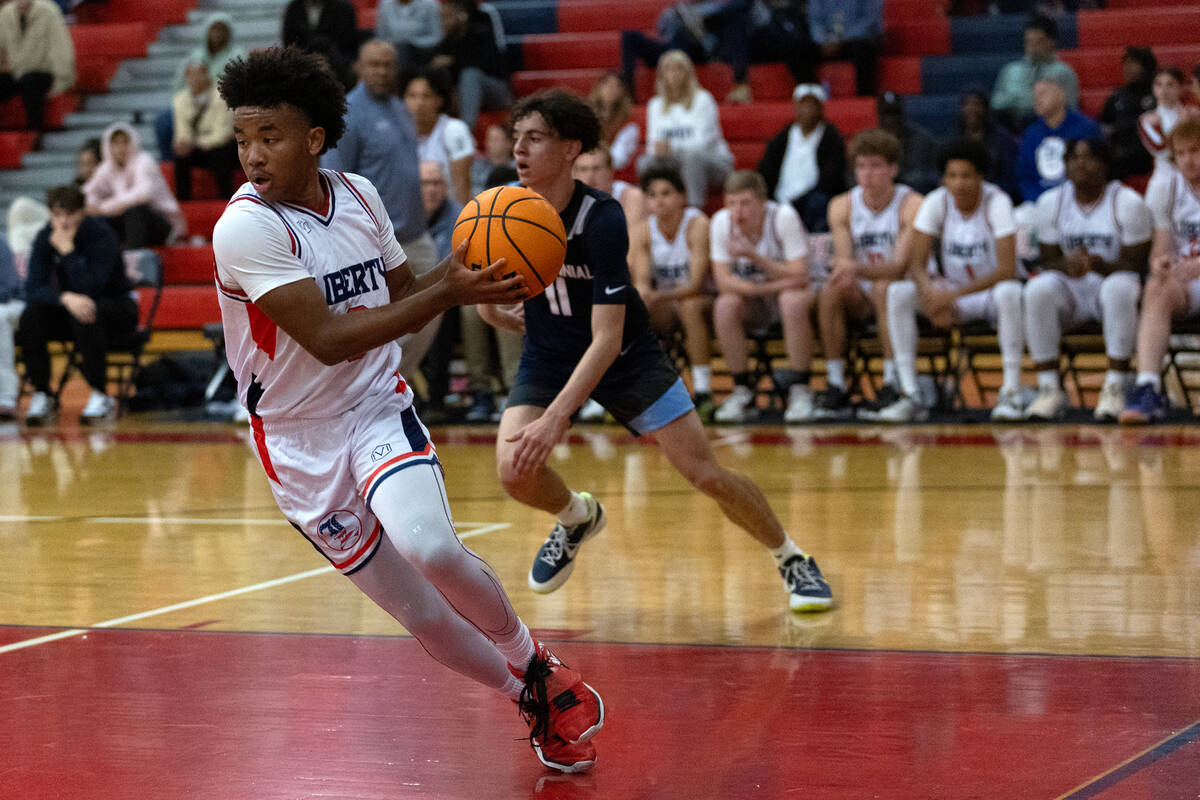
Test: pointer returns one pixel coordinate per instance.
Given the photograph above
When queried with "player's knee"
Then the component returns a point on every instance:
(1008, 295)
(430, 545)
(902, 295)
(1039, 291)
(1119, 290)
(728, 306)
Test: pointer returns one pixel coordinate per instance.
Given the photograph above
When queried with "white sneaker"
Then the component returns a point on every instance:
(41, 409)
(100, 407)
(735, 408)
(800, 405)
(1111, 402)
(906, 409)
(1051, 403)
(1008, 407)
(591, 412)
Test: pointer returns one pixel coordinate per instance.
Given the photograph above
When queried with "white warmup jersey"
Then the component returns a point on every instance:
(670, 258)
(1176, 208)
(968, 243)
(875, 233)
(1118, 218)
(782, 238)
(260, 246)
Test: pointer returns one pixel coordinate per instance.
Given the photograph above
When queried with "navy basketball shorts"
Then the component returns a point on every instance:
(642, 389)
(323, 472)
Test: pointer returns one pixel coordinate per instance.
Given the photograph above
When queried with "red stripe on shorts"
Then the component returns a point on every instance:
(260, 443)
(362, 551)
(391, 462)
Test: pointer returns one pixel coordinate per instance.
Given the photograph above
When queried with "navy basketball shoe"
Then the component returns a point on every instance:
(556, 559)
(807, 588)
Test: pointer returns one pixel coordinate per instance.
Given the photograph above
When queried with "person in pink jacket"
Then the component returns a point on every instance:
(129, 191)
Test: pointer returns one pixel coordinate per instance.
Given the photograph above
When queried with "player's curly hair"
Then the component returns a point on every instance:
(278, 75)
(965, 150)
(567, 115)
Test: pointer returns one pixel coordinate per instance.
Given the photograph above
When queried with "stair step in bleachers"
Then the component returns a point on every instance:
(1100, 67)
(12, 145)
(159, 12)
(202, 215)
(576, 16)
(144, 103)
(1119, 27)
(186, 264)
(1001, 33)
(12, 112)
(72, 140)
(555, 51)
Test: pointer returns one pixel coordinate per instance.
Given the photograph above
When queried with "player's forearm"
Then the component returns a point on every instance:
(345, 336)
(596, 360)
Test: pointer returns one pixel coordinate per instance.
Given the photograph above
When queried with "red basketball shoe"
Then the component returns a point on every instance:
(558, 754)
(556, 701)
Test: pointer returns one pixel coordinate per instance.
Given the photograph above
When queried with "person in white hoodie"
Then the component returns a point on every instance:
(682, 125)
(130, 192)
(37, 58)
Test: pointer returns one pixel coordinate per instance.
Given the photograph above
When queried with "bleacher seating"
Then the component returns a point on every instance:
(127, 52)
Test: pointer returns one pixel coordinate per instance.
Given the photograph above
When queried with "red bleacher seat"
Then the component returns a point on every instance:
(555, 51)
(367, 17)
(92, 73)
(184, 264)
(578, 16)
(1100, 67)
(747, 153)
(901, 74)
(912, 37)
(202, 215)
(185, 307)
(903, 10)
(112, 40)
(204, 184)
(13, 144)
(12, 112)
(157, 13)
(579, 81)
(1117, 27)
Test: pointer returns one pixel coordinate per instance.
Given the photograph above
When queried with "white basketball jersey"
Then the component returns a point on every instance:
(1095, 228)
(875, 233)
(670, 259)
(768, 246)
(260, 246)
(968, 245)
(1184, 213)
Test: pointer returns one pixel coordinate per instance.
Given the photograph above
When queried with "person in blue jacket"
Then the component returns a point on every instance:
(1041, 163)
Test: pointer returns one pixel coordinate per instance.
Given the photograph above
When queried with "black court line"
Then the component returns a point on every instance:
(1146, 758)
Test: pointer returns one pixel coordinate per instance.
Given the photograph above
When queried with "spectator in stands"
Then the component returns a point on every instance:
(497, 152)
(327, 27)
(130, 192)
(679, 27)
(87, 158)
(805, 163)
(759, 252)
(849, 29)
(37, 57)
(1040, 162)
(977, 123)
(440, 137)
(1094, 235)
(12, 303)
(25, 220)
(872, 227)
(670, 266)
(754, 31)
(595, 168)
(1012, 97)
(203, 134)
(1154, 126)
(1173, 288)
(682, 124)
(613, 104)
(76, 290)
(380, 143)
(414, 27)
(440, 215)
(973, 222)
(471, 51)
(1124, 107)
(918, 149)
(217, 50)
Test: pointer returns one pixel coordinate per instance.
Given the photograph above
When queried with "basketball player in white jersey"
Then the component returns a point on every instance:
(872, 233)
(1094, 236)
(760, 261)
(668, 259)
(973, 222)
(1173, 288)
(314, 289)
(595, 168)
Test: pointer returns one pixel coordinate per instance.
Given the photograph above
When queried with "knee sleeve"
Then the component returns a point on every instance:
(1045, 306)
(1118, 312)
(1010, 326)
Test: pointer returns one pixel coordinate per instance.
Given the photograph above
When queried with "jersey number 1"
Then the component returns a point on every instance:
(557, 297)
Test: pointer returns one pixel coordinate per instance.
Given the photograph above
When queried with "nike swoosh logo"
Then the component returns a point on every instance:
(610, 290)
(628, 347)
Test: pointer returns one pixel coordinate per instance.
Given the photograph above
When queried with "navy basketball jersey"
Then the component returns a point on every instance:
(558, 322)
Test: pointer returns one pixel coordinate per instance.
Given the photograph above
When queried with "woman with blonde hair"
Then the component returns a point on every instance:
(611, 101)
(682, 125)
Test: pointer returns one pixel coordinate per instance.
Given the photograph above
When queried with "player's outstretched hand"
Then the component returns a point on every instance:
(467, 286)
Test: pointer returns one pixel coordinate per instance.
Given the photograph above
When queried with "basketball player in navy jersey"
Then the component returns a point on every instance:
(314, 290)
(587, 335)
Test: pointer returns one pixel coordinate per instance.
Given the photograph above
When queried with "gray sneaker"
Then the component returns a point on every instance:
(906, 409)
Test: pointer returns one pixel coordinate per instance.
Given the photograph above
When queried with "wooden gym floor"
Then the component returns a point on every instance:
(1018, 616)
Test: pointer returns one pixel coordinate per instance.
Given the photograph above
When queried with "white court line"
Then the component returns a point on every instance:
(483, 527)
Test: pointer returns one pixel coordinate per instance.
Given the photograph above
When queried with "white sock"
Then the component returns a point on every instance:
(785, 550)
(902, 326)
(1117, 377)
(575, 511)
(512, 687)
(702, 378)
(835, 373)
(889, 372)
(1150, 378)
(1047, 379)
(518, 648)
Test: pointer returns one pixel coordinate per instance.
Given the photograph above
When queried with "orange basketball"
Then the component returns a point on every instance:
(516, 224)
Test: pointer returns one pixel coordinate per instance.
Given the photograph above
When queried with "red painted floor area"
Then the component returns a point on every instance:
(194, 714)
